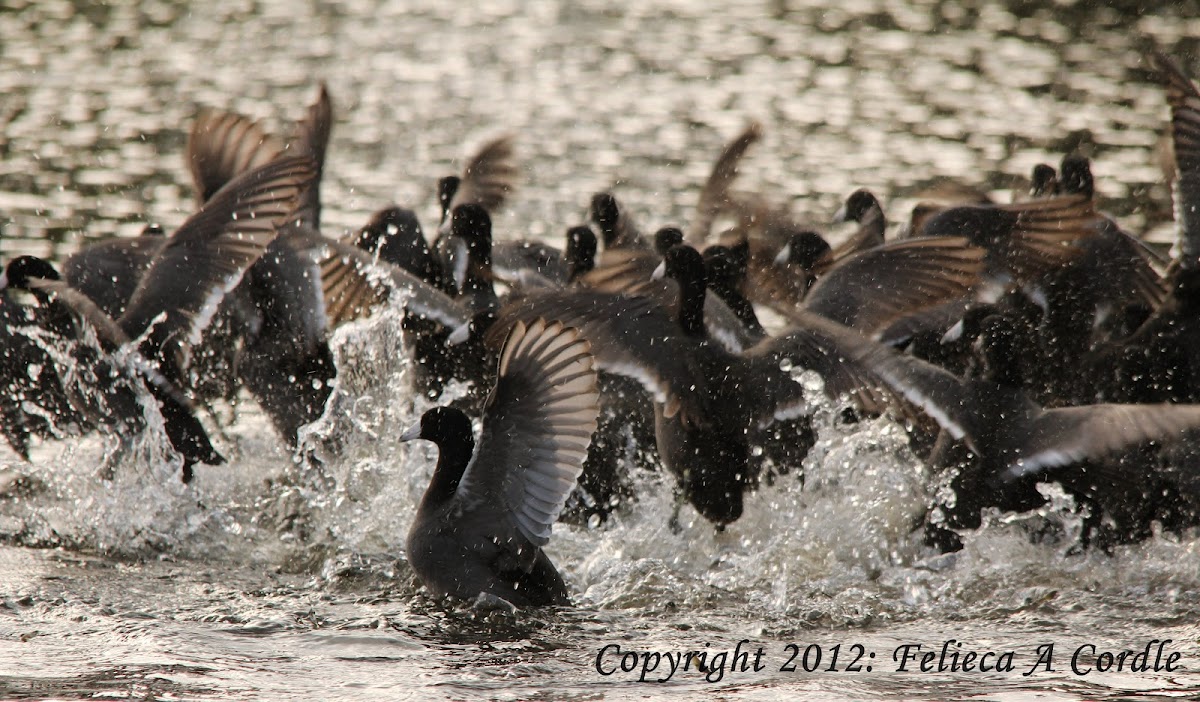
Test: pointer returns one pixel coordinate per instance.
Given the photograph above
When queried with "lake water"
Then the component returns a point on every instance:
(265, 580)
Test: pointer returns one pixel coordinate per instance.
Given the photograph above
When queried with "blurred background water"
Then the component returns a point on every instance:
(258, 582)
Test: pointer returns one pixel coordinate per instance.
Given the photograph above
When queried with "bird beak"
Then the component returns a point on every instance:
(412, 433)
(954, 333)
(660, 272)
(785, 255)
(459, 261)
(4, 280)
(459, 335)
(840, 215)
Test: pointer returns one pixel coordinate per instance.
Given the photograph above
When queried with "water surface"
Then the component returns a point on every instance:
(262, 580)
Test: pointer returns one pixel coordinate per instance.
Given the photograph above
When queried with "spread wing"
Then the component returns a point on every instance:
(849, 361)
(1184, 100)
(354, 282)
(872, 289)
(1029, 238)
(310, 137)
(537, 426)
(207, 256)
(1060, 437)
(631, 336)
(222, 146)
(714, 197)
(489, 176)
(112, 338)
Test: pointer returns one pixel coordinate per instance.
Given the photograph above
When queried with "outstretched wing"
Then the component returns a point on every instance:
(207, 256)
(872, 289)
(537, 426)
(489, 176)
(1185, 138)
(631, 336)
(1029, 238)
(354, 282)
(1067, 435)
(222, 146)
(714, 196)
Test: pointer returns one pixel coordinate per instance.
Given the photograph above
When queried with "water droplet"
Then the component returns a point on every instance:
(785, 365)
(811, 380)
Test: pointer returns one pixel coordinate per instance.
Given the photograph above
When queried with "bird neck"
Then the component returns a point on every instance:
(454, 453)
(741, 308)
(691, 307)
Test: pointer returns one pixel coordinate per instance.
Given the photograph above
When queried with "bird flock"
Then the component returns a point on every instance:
(1019, 343)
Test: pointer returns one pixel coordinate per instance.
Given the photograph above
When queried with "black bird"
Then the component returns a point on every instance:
(33, 401)
(862, 207)
(105, 394)
(1043, 181)
(395, 235)
(177, 297)
(725, 267)
(489, 509)
(580, 253)
(221, 146)
(617, 229)
(1111, 271)
(1015, 442)
(487, 179)
(665, 238)
(274, 317)
(710, 403)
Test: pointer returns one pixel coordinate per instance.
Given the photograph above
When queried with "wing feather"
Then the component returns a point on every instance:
(208, 255)
(222, 146)
(537, 427)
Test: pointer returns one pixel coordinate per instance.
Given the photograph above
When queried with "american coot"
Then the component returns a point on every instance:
(489, 508)
(286, 363)
(395, 235)
(487, 180)
(710, 401)
(100, 390)
(260, 325)
(1016, 441)
(725, 267)
(466, 254)
(33, 400)
(862, 207)
(1043, 181)
(176, 298)
(617, 229)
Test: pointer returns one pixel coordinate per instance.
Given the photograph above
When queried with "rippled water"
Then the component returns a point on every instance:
(265, 579)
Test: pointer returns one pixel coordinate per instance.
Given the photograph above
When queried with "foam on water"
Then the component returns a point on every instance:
(833, 549)
(837, 542)
(890, 95)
